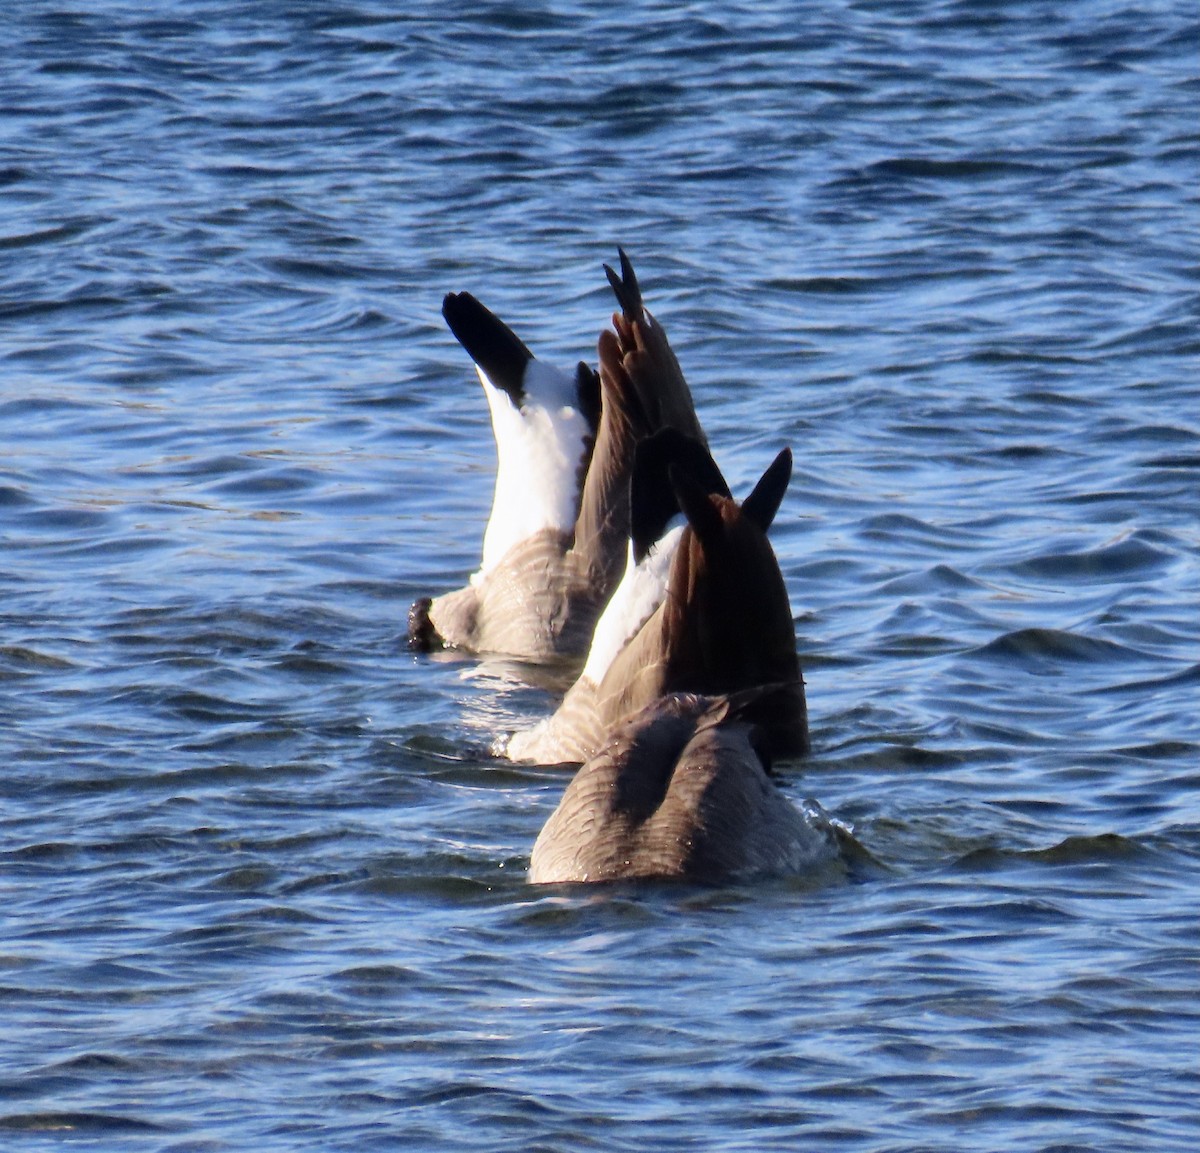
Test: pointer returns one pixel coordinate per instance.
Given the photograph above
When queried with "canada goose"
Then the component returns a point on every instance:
(682, 790)
(703, 610)
(554, 547)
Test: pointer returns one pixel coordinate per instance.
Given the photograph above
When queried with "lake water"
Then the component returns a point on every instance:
(261, 887)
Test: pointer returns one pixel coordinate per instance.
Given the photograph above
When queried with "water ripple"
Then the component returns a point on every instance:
(249, 841)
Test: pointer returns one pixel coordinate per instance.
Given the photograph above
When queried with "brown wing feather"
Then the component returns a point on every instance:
(602, 527)
(678, 790)
(638, 351)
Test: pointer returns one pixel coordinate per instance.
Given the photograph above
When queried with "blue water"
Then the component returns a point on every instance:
(261, 887)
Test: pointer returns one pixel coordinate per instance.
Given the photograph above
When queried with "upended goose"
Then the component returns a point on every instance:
(702, 608)
(683, 790)
(554, 547)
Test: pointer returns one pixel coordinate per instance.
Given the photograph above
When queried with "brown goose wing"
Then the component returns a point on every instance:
(596, 831)
(602, 527)
(637, 350)
(642, 391)
(681, 789)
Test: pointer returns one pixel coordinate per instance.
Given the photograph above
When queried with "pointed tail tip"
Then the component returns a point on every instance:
(490, 343)
(764, 500)
(625, 287)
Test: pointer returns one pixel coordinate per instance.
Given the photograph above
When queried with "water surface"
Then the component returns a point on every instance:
(262, 887)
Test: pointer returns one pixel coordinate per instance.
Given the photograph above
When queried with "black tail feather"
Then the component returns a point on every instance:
(489, 342)
(653, 500)
(626, 288)
(763, 503)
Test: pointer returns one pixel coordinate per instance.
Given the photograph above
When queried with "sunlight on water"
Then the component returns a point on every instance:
(263, 884)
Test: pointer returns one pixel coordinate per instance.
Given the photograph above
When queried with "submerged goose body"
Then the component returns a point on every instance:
(554, 547)
(529, 596)
(718, 621)
(682, 789)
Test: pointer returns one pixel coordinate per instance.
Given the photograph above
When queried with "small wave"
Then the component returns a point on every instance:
(824, 285)
(20, 658)
(96, 1062)
(999, 355)
(1023, 452)
(1121, 559)
(1174, 461)
(1188, 676)
(72, 521)
(308, 270)
(1054, 645)
(938, 577)
(382, 974)
(308, 665)
(269, 482)
(890, 525)
(923, 168)
(1096, 848)
(56, 235)
(1078, 849)
(27, 309)
(48, 851)
(86, 1124)
(438, 887)
(244, 879)
(354, 320)
(1166, 750)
